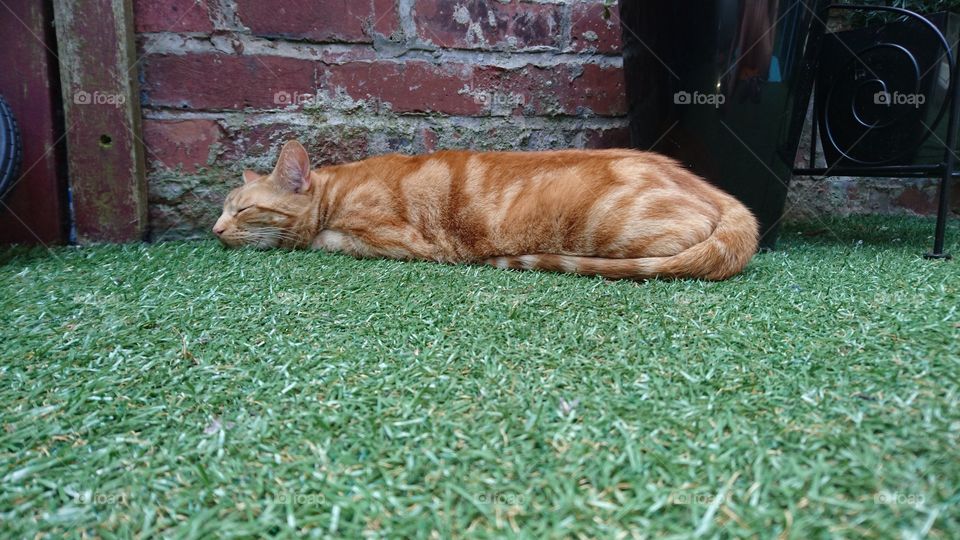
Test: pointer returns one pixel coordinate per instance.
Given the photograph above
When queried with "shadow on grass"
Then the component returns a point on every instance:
(25, 255)
(883, 231)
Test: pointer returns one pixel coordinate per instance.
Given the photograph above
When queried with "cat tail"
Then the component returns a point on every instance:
(723, 254)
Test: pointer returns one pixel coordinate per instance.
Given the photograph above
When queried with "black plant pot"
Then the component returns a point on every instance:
(723, 85)
(882, 93)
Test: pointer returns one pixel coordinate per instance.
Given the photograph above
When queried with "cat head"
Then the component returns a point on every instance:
(268, 211)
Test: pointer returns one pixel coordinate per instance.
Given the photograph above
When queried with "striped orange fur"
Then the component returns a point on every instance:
(620, 214)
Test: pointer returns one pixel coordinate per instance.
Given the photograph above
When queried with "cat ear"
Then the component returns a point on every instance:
(250, 176)
(293, 168)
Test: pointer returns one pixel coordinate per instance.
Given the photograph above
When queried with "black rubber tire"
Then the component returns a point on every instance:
(11, 149)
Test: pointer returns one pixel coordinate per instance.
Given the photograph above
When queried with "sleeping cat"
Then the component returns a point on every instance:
(620, 214)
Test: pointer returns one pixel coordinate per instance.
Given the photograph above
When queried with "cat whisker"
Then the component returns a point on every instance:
(267, 236)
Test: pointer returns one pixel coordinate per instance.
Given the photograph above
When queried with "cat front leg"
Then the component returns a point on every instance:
(331, 240)
(400, 243)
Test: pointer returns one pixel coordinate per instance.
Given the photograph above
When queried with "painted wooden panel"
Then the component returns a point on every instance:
(102, 111)
(35, 210)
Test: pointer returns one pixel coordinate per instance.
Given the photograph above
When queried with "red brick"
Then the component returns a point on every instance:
(920, 202)
(386, 17)
(411, 87)
(599, 89)
(558, 90)
(345, 145)
(459, 89)
(618, 137)
(172, 16)
(241, 144)
(326, 145)
(924, 200)
(475, 24)
(261, 139)
(180, 143)
(595, 27)
(219, 81)
(320, 20)
(430, 139)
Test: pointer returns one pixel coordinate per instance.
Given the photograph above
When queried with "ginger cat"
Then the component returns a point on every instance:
(620, 214)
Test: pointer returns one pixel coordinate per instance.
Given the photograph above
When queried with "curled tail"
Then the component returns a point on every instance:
(723, 254)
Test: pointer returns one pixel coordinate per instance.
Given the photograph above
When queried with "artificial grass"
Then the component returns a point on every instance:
(183, 390)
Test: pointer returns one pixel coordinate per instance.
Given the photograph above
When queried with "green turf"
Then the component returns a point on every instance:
(181, 389)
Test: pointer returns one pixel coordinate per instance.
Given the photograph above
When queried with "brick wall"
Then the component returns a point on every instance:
(812, 199)
(226, 82)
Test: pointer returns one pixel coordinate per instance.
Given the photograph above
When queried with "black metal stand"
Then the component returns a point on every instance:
(946, 170)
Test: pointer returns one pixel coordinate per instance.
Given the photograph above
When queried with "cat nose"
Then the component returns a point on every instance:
(219, 229)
